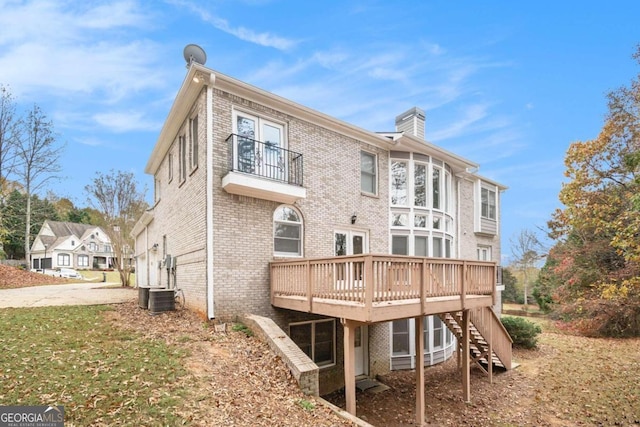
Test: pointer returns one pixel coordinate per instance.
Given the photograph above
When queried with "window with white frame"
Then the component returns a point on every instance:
(317, 339)
(420, 185)
(93, 247)
(193, 142)
(83, 260)
(64, 260)
(182, 158)
(421, 215)
(436, 190)
(156, 189)
(259, 146)
(399, 183)
(170, 166)
(368, 173)
(484, 253)
(287, 232)
(401, 341)
(488, 203)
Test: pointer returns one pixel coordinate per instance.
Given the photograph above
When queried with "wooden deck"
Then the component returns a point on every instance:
(376, 288)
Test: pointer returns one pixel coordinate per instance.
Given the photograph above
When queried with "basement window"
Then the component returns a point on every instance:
(317, 339)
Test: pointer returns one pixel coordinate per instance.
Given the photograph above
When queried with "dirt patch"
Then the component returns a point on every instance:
(567, 381)
(12, 277)
(233, 379)
(236, 380)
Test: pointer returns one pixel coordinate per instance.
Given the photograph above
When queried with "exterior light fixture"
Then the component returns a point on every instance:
(354, 217)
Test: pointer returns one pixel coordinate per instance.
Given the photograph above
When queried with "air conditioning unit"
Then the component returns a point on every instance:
(143, 297)
(161, 300)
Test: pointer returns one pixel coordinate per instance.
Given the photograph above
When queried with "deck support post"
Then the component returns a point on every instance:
(466, 365)
(490, 350)
(420, 398)
(349, 327)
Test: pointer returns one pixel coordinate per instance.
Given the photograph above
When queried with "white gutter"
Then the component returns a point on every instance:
(209, 202)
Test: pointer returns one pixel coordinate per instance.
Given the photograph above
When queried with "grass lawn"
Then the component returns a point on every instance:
(112, 276)
(101, 374)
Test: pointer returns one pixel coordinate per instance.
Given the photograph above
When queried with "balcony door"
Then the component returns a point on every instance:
(260, 145)
(350, 242)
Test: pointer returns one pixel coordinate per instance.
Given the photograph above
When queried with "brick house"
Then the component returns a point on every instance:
(267, 207)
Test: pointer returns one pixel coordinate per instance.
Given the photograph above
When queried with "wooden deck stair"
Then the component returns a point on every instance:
(488, 339)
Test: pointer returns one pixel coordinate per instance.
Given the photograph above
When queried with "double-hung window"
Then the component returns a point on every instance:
(488, 203)
(64, 260)
(368, 173)
(287, 232)
(83, 261)
(193, 142)
(182, 158)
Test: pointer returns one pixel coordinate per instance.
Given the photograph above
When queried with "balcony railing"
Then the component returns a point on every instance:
(265, 160)
(382, 287)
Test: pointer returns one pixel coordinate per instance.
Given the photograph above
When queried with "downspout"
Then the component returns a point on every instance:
(209, 197)
(458, 217)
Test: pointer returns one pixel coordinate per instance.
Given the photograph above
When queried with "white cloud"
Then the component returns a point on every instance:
(261, 38)
(53, 48)
(120, 122)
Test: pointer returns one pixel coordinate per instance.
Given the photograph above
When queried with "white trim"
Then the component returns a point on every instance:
(209, 202)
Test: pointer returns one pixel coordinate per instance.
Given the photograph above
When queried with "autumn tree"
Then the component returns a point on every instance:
(119, 200)
(38, 161)
(596, 264)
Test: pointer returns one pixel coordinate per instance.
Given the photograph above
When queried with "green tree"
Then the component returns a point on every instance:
(510, 293)
(13, 211)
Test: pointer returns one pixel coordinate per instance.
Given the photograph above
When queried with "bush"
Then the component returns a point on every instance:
(523, 332)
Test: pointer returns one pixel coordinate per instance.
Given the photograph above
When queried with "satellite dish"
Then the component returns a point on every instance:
(194, 53)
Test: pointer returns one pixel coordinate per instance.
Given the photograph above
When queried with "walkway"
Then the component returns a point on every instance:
(71, 294)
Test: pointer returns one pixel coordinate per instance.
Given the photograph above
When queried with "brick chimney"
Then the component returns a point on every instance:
(411, 122)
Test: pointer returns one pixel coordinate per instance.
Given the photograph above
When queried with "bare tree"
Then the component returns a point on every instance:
(38, 161)
(526, 249)
(117, 198)
(9, 134)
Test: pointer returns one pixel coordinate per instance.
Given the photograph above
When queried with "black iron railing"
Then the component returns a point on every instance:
(264, 159)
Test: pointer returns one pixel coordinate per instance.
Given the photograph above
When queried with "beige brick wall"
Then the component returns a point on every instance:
(179, 214)
(243, 226)
(243, 231)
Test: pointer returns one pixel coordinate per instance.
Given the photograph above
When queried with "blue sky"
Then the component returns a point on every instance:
(506, 84)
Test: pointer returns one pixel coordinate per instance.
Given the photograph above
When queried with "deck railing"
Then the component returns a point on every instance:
(369, 279)
(491, 328)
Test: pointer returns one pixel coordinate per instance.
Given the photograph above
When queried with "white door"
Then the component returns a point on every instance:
(353, 243)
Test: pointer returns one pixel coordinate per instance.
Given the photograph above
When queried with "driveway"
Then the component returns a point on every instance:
(72, 294)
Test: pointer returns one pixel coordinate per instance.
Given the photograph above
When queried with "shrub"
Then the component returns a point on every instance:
(523, 332)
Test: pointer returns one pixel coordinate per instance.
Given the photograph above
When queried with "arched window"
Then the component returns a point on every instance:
(287, 232)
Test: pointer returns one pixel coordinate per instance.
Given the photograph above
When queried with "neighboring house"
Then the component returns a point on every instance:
(268, 207)
(71, 245)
